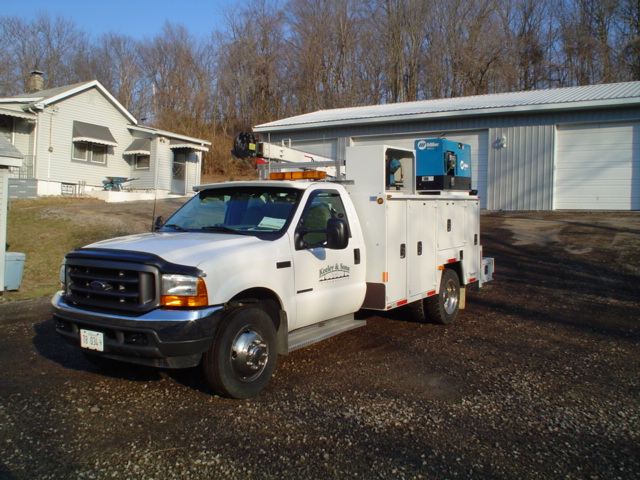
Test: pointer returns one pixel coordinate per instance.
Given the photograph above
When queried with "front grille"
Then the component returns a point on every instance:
(110, 285)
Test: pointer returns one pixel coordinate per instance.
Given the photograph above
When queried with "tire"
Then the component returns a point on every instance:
(417, 311)
(444, 307)
(243, 356)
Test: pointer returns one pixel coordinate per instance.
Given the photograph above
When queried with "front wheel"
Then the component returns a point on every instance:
(444, 307)
(243, 356)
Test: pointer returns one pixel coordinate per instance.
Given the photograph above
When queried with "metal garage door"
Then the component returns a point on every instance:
(478, 140)
(597, 167)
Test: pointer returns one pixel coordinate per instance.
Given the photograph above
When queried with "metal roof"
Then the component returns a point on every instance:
(590, 96)
(43, 98)
(203, 144)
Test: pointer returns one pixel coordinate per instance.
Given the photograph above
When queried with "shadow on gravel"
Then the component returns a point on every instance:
(5, 474)
(50, 346)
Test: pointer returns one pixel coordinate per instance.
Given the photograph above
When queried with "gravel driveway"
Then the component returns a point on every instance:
(539, 378)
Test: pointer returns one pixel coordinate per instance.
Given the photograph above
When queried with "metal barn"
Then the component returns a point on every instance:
(574, 148)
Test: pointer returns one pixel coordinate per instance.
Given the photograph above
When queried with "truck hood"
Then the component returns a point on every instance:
(180, 248)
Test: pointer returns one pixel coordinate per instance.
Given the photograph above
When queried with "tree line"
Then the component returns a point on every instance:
(270, 60)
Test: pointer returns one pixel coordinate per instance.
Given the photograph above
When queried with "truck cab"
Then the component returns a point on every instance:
(279, 255)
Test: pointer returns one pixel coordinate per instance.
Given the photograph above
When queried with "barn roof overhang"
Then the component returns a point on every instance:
(536, 101)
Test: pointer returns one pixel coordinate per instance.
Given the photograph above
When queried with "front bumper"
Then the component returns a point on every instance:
(160, 338)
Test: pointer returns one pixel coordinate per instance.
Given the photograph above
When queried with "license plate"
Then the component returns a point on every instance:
(92, 340)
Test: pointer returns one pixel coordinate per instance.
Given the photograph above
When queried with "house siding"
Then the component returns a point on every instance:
(193, 171)
(145, 177)
(165, 164)
(519, 177)
(55, 130)
(23, 130)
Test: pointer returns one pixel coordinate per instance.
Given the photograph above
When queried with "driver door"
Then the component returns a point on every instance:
(328, 283)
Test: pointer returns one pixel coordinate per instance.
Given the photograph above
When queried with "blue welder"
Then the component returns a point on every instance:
(442, 164)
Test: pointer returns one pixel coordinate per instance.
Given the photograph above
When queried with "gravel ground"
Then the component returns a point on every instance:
(538, 378)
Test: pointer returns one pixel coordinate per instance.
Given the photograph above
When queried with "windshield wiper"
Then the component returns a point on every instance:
(176, 227)
(223, 228)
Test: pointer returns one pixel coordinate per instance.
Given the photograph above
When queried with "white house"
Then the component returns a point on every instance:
(77, 137)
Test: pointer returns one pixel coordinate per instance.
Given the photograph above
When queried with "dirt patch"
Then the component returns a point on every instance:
(537, 379)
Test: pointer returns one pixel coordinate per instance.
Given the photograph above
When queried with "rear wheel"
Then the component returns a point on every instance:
(417, 311)
(444, 307)
(243, 356)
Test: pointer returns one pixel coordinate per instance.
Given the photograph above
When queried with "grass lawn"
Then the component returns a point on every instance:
(45, 229)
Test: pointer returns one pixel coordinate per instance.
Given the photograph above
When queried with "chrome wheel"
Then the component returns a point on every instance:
(249, 354)
(451, 297)
(443, 308)
(243, 355)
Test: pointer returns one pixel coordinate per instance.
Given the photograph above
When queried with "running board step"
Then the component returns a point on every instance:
(305, 336)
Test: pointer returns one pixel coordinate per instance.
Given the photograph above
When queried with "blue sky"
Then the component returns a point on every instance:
(137, 18)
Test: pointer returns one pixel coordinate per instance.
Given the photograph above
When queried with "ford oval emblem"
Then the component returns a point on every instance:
(100, 286)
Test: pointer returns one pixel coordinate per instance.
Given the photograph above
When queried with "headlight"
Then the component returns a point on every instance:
(183, 291)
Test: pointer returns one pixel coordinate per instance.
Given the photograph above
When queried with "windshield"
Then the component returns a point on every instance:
(243, 210)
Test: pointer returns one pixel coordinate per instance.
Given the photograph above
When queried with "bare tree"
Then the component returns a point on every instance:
(51, 45)
(587, 28)
(404, 30)
(327, 57)
(114, 61)
(471, 40)
(530, 30)
(250, 81)
(180, 91)
(629, 46)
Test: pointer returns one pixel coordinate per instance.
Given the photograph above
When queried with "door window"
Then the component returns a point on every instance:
(323, 205)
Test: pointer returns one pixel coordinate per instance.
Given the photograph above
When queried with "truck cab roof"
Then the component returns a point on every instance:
(298, 184)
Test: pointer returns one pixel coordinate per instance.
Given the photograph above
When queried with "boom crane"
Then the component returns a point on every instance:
(272, 157)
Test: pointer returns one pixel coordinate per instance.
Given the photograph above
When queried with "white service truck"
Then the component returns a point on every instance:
(246, 271)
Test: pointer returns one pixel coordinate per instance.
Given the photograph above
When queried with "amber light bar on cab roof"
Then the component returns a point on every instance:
(305, 175)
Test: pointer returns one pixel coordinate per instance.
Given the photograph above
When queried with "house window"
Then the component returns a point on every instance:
(98, 153)
(91, 152)
(80, 151)
(142, 162)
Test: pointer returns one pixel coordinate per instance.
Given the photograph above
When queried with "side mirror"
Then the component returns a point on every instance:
(158, 223)
(337, 234)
